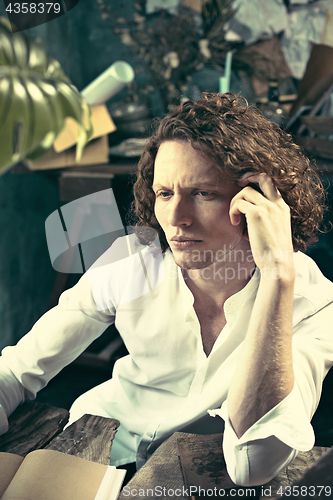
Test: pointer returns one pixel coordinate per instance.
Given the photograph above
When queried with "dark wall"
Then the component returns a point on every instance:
(26, 274)
(82, 41)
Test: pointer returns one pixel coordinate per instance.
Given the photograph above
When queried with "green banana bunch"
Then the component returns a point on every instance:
(35, 99)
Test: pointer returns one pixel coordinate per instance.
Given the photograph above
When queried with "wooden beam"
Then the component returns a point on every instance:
(90, 438)
(31, 427)
(317, 482)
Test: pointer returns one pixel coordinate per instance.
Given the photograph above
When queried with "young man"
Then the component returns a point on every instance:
(228, 320)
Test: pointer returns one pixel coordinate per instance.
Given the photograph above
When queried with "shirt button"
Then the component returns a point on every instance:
(150, 434)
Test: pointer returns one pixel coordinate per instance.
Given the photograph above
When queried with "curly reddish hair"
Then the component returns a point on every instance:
(237, 138)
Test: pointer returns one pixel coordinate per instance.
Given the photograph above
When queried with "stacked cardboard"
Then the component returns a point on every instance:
(63, 152)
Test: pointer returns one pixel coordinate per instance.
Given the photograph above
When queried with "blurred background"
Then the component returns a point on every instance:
(277, 53)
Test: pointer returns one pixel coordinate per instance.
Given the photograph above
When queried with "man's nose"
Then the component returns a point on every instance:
(180, 212)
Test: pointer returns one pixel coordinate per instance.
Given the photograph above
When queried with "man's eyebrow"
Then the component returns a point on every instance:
(196, 185)
(212, 185)
(156, 185)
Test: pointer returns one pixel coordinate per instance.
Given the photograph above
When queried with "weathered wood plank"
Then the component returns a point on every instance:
(90, 438)
(317, 482)
(294, 471)
(32, 426)
(163, 470)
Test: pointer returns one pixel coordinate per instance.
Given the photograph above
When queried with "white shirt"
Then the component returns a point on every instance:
(167, 382)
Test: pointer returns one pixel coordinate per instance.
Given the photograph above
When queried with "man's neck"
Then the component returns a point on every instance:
(219, 280)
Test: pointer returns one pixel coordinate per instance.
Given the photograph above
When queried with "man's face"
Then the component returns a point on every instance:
(192, 206)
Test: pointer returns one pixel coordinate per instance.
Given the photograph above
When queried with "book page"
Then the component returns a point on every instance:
(9, 463)
(52, 475)
(111, 484)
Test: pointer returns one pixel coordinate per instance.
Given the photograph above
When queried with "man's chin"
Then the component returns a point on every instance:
(188, 261)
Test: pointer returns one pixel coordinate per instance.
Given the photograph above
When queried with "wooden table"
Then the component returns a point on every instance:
(35, 426)
(162, 479)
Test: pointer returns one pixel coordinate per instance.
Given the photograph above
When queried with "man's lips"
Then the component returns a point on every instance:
(183, 242)
(183, 238)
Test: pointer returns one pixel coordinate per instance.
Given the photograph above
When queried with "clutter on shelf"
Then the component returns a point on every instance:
(276, 53)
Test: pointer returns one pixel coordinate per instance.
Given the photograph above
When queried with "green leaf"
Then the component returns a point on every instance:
(36, 97)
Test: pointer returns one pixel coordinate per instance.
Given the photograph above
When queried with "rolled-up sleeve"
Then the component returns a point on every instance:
(272, 442)
(269, 444)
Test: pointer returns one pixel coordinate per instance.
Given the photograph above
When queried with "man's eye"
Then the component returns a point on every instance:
(163, 194)
(204, 194)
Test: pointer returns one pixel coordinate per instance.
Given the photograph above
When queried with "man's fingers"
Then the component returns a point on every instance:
(239, 207)
(250, 198)
(264, 182)
(250, 195)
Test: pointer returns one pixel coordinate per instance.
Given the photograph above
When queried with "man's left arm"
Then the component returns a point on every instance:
(272, 441)
(264, 374)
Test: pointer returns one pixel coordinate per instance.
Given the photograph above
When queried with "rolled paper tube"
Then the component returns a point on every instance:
(109, 83)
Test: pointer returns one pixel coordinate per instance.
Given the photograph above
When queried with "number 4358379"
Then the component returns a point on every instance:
(33, 8)
(304, 491)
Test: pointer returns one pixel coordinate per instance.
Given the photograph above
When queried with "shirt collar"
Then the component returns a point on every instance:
(232, 304)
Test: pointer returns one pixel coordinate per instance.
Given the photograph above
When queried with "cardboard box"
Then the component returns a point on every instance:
(101, 122)
(63, 152)
(95, 153)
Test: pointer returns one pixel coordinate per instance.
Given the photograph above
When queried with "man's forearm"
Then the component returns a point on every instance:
(264, 374)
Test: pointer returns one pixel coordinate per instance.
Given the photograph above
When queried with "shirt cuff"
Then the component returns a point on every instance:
(270, 444)
(287, 421)
(3, 421)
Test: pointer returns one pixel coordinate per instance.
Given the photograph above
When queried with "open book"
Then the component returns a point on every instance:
(52, 475)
